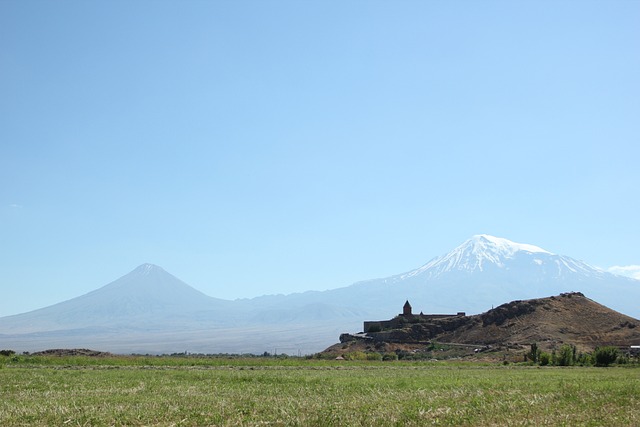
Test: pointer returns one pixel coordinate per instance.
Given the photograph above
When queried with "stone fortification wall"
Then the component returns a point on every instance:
(400, 320)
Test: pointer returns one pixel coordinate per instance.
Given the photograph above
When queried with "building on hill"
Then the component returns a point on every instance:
(406, 309)
(406, 316)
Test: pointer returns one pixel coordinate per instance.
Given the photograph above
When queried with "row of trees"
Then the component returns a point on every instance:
(567, 355)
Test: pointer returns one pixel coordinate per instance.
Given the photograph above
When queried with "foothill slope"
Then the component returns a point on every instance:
(568, 318)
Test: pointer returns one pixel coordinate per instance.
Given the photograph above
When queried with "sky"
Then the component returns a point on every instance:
(266, 147)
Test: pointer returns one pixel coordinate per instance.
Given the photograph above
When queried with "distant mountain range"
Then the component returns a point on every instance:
(151, 311)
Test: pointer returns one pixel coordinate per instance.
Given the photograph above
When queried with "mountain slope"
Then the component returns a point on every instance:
(486, 270)
(567, 318)
(151, 311)
(146, 297)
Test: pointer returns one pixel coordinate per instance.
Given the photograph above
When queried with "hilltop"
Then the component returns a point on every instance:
(569, 318)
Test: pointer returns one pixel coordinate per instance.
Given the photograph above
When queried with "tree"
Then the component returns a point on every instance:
(565, 356)
(534, 354)
(605, 356)
(545, 359)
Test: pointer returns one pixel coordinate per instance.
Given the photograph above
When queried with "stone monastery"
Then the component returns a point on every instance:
(405, 317)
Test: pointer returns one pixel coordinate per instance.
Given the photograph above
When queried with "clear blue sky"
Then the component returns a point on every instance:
(259, 147)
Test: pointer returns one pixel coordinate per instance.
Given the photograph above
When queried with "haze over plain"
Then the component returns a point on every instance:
(255, 148)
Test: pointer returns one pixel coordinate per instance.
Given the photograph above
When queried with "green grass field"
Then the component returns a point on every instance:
(217, 391)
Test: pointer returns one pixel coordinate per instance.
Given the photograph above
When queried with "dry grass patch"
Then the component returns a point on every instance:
(312, 393)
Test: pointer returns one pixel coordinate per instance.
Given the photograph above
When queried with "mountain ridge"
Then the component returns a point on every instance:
(145, 294)
(155, 304)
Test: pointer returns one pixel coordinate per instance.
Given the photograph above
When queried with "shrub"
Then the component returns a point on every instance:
(7, 352)
(605, 356)
(374, 356)
(623, 359)
(584, 359)
(433, 346)
(389, 356)
(403, 354)
(544, 359)
(565, 356)
(356, 355)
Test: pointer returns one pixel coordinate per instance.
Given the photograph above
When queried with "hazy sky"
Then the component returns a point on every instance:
(259, 147)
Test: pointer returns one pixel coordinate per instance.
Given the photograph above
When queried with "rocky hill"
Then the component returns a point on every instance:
(568, 318)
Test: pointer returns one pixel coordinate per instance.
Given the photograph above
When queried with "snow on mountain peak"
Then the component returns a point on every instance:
(146, 269)
(485, 242)
(475, 253)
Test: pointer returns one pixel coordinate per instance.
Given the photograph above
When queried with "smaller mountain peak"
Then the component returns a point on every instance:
(146, 269)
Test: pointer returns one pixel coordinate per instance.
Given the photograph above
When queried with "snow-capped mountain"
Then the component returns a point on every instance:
(485, 270)
(149, 310)
(481, 273)
(483, 252)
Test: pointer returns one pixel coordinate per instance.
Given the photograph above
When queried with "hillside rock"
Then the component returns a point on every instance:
(567, 318)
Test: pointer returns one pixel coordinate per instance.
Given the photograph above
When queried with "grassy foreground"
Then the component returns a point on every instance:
(198, 392)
